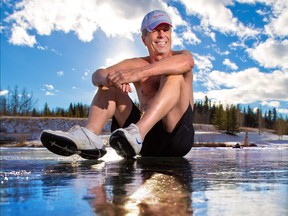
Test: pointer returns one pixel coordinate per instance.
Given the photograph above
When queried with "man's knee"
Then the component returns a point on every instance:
(172, 80)
(173, 83)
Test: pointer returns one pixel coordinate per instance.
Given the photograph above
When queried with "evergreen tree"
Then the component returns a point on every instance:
(219, 119)
(46, 111)
(280, 127)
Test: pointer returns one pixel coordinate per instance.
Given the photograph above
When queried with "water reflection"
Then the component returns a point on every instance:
(33, 181)
(146, 186)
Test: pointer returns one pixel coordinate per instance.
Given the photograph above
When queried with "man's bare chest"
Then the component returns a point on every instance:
(149, 86)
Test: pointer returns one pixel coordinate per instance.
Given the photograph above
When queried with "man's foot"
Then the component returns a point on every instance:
(126, 141)
(78, 140)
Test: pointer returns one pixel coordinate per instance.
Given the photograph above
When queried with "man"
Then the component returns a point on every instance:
(162, 126)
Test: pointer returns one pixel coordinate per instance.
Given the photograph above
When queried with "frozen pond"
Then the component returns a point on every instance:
(208, 181)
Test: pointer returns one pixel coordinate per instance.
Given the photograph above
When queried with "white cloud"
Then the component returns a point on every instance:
(230, 64)
(47, 93)
(21, 37)
(121, 18)
(282, 111)
(60, 73)
(278, 25)
(199, 95)
(271, 53)
(219, 52)
(236, 45)
(4, 92)
(49, 90)
(41, 47)
(49, 87)
(271, 103)
(203, 62)
(85, 74)
(247, 86)
(215, 14)
(190, 37)
(277, 16)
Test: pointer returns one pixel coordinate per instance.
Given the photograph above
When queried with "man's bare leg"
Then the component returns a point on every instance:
(85, 141)
(107, 103)
(169, 104)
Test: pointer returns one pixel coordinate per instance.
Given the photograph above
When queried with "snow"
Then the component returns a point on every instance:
(15, 128)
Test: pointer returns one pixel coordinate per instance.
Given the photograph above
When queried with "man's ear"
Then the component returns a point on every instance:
(143, 40)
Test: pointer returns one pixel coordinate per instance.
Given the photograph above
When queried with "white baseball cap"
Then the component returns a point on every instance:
(155, 18)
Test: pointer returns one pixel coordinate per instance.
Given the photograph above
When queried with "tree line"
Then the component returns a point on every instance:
(232, 117)
(227, 118)
(22, 103)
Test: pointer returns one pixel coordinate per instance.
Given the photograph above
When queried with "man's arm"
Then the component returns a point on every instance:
(179, 63)
(100, 77)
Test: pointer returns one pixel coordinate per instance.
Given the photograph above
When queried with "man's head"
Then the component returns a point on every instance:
(154, 19)
(156, 32)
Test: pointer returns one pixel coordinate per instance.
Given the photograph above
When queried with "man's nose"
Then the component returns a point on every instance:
(161, 33)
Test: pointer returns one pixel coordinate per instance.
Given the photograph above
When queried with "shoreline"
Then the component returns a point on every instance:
(25, 132)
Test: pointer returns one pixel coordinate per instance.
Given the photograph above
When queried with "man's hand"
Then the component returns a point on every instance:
(122, 78)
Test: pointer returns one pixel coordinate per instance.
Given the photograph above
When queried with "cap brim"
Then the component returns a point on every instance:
(154, 25)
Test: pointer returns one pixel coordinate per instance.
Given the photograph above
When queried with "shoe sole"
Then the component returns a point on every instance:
(66, 147)
(58, 144)
(121, 145)
(92, 154)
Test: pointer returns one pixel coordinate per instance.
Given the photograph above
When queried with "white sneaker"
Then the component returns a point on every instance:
(78, 140)
(126, 141)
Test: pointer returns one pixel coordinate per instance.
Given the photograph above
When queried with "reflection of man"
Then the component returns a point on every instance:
(163, 81)
(148, 186)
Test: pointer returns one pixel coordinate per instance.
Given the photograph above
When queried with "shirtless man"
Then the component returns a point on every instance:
(162, 126)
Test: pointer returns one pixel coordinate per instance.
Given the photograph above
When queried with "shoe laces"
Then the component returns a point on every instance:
(132, 129)
(74, 128)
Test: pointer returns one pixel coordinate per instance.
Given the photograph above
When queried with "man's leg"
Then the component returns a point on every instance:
(169, 104)
(85, 141)
(108, 103)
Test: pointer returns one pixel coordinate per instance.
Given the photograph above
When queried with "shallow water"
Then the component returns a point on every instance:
(208, 181)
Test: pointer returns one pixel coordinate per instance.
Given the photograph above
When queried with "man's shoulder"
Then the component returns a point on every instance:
(185, 52)
(139, 59)
(136, 62)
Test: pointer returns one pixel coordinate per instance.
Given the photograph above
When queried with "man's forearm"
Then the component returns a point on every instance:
(174, 65)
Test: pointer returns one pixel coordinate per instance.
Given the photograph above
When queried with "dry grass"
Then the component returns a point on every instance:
(210, 144)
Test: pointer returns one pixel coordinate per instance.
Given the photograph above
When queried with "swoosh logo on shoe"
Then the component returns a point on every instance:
(139, 143)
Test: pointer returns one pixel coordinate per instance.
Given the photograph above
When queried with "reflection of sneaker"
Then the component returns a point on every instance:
(78, 140)
(126, 141)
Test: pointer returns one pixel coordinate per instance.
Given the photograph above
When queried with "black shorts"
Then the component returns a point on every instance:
(158, 142)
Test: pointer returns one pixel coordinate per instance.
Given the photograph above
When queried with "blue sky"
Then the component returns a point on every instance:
(240, 47)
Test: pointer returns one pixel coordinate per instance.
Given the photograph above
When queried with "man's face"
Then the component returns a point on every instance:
(159, 40)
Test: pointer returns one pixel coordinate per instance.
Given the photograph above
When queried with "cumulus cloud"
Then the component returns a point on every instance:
(203, 63)
(271, 53)
(278, 26)
(276, 18)
(271, 103)
(190, 37)
(119, 18)
(230, 64)
(247, 86)
(214, 14)
(21, 37)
